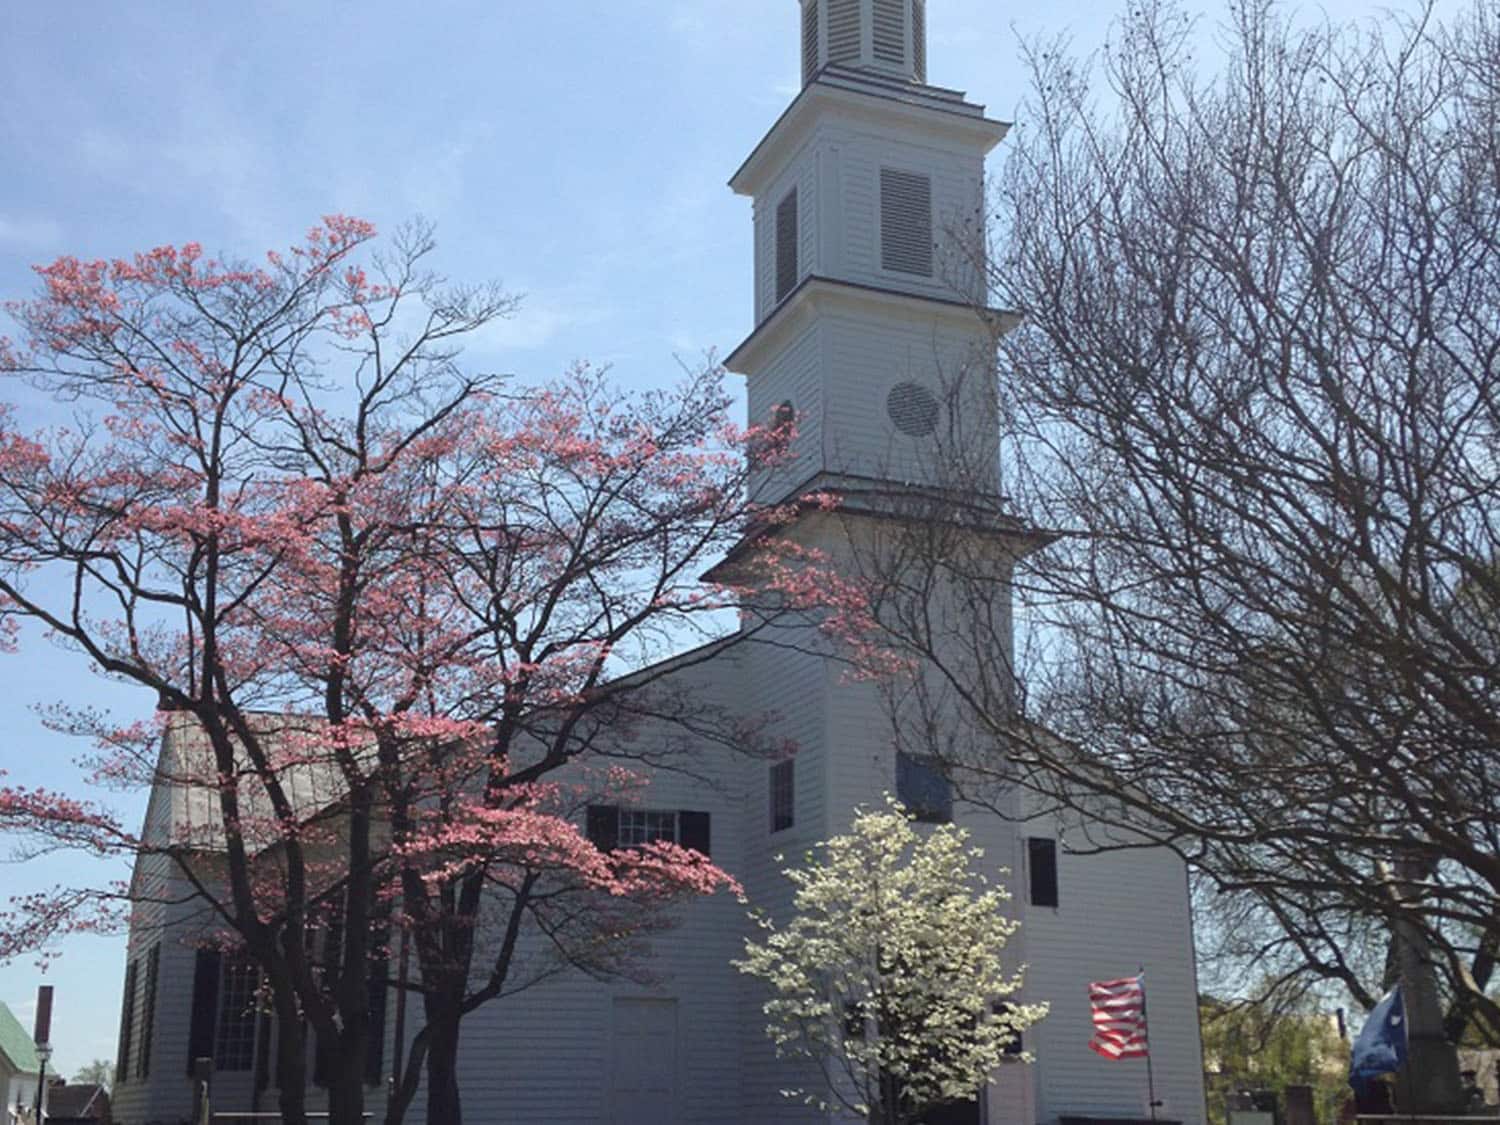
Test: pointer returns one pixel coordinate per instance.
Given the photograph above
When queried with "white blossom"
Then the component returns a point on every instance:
(889, 975)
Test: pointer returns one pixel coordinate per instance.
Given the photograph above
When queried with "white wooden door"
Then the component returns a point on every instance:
(643, 1069)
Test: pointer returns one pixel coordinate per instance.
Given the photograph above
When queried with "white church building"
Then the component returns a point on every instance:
(866, 194)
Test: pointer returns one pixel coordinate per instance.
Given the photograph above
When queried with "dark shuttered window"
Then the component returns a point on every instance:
(786, 245)
(127, 1023)
(378, 993)
(923, 789)
(205, 1006)
(610, 827)
(905, 222)
(693, 832)
(262, 1051)
(1016, 1046)
(603, 826)
(1041, 863)
(783, 795)
(148, 1013)
(234, 1031)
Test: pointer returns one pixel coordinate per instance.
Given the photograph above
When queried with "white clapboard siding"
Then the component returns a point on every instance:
(956, 203)
(839, 375)
(837, 172)
(792, 377)
(1117, 911)
(791, 684)
(801, 173)
(867, 357)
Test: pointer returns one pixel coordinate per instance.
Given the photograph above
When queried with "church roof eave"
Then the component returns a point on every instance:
(1020, 539)
(815, 292)
(935, 112)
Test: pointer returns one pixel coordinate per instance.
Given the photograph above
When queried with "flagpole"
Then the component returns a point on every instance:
(1150, 1070)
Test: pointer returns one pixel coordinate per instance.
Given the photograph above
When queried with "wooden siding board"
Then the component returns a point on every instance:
(1117, 912)
(791, 377)
(865, 358)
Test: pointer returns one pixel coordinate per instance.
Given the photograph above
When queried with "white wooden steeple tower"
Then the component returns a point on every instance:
(871, 331)
(868, 201)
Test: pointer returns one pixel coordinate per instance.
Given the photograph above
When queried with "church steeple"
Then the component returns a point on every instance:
(869, 241)
(885, 36)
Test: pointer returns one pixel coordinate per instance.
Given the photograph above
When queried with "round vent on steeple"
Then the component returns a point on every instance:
(912, 409)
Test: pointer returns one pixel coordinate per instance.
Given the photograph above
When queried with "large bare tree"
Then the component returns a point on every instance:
(1253, 398)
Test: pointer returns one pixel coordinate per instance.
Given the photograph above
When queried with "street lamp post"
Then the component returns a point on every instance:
(43, 1054)
(42, 1037)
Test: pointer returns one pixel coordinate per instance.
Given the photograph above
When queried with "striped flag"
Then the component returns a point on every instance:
(1119, 1008)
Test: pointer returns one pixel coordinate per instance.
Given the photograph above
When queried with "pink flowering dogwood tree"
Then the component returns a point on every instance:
(401, 622)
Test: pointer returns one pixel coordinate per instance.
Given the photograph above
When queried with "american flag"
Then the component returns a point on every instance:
(1119, 1008)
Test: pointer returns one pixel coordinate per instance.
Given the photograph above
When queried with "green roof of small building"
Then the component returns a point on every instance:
(17, 1045)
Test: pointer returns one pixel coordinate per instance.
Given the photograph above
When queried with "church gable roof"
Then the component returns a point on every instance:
(16, 1045)
(183, 810)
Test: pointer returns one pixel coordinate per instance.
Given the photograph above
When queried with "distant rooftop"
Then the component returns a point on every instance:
(85, 1101)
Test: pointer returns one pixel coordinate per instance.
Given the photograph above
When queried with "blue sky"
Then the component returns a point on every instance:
(577, 151)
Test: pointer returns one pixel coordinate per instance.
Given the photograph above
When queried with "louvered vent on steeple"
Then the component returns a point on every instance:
(919, 38)
(905, 222)
(844, 31)
(809, 41)
(886, 36)
(889, 32)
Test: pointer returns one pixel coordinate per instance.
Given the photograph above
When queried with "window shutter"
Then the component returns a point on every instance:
(783, 795)
(693, 831)
(378, 993)
(905, 222)
(1016, 1046)
(786, 245)
(604, 826)
(262, 1051)
(148, 1012)
(205, 1006)
(333, 960)
(854, 1022)
(890, 32)
(923, 789)
(809, 40)
(1041, 860)
(127, 1023)
(843, 32)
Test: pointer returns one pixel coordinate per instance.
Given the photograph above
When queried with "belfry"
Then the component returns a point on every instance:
(868, 199)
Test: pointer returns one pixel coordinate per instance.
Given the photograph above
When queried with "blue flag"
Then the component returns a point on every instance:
(1381, 1046)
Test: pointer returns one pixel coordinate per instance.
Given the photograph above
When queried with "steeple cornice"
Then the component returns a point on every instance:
(817, 296)
(860, 98)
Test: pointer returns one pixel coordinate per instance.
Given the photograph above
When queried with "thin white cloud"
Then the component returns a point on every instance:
(539, 322)
(29, 233)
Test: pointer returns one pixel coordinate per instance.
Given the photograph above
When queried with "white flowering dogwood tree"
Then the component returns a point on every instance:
(889, 976)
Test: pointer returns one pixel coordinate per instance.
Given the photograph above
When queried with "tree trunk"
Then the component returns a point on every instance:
(1430, 1082)
(404, 1089)
(442, 1064)
(346, 1083)
(291, 1062)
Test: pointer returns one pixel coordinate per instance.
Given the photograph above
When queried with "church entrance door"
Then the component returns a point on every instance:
(643, 1062)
